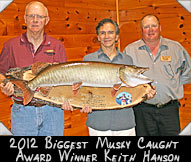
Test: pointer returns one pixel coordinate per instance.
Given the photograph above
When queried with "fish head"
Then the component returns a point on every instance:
(132, 75)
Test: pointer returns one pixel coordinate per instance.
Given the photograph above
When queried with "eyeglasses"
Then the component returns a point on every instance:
(32, 16)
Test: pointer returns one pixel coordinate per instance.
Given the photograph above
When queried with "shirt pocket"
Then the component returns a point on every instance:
(172, 70)
(169, 71)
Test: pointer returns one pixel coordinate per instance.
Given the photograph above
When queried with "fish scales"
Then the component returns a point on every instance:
(99, 75)
(94, 74)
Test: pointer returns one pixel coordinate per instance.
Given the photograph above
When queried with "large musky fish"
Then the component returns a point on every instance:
(77, 74)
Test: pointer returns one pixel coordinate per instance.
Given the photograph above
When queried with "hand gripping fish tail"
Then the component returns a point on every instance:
(27, 93)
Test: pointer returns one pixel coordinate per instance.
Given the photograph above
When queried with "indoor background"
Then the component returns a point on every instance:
(74, 22)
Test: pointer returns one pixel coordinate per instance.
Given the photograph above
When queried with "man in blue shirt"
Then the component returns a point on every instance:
(117, 122)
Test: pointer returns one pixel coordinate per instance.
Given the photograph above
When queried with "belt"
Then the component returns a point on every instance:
(36, 104)
(163, 105)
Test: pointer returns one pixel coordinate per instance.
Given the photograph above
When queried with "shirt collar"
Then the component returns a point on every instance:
(102, 54)
(163, 44)
(24, 39)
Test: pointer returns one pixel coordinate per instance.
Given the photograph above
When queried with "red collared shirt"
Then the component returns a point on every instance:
(19, 52)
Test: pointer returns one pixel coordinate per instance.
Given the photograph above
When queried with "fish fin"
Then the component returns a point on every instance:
(113, 92)
(17, 72)
(44, 91)
(117, 86)
(39, 66)
(27, 93)
(115, 89)
(75, 92)
(76, 87)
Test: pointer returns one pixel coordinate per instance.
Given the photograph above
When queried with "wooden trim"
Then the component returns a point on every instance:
(117, 15)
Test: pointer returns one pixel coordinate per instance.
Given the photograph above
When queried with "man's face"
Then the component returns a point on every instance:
(107, 35)
(36, 18)
(150, 29)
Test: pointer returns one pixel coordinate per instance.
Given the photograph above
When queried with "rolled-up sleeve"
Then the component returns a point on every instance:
(4, 61)
(185, 76)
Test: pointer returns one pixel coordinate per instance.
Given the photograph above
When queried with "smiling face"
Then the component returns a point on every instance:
(107, 35)
(36, 17)
(150, 29)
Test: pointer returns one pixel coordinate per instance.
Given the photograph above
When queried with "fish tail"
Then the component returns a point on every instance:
(27, 93)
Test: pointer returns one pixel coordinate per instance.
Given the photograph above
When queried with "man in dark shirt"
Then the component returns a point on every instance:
(33, 46)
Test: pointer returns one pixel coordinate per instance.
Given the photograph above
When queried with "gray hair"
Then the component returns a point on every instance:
(104, 21)
(36, 2)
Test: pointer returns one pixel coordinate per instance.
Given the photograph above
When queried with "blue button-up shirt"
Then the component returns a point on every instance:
(115, 120)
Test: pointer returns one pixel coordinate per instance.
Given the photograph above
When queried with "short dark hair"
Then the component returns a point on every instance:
(104, 21)
(149, 15)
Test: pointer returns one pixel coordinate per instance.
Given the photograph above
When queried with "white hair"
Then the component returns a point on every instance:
(36, 2)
